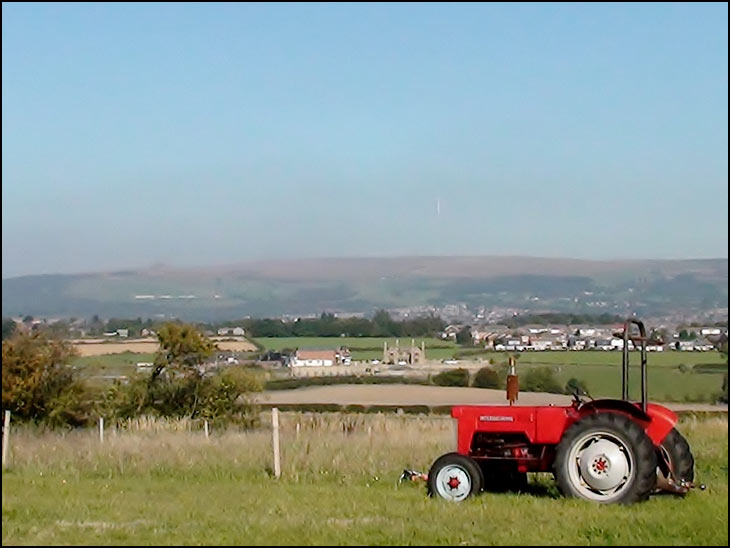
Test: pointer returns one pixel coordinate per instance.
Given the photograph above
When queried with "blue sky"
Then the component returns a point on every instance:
(204, 134)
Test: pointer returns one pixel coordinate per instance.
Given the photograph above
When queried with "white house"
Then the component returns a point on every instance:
(542, 344)
(313, 358)
(237, 331)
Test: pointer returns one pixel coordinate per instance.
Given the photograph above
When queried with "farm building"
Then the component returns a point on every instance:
(320, 357)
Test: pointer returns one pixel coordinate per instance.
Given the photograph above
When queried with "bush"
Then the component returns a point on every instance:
(38, 383)
(306, 407)
(487, 377)
(226, 397)
(441, 409)
(710, 368)
(454, 377)
(723, 395)
(354, 408)
(542, 379)
(574, 384)
(288, 384)
(416, 409)
(222, 398)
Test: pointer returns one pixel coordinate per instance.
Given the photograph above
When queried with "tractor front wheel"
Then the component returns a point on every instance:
(607, 458)
(454, 477)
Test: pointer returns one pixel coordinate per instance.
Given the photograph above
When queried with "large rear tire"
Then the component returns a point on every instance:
(606, 458)
(675, 450)
(454, 477)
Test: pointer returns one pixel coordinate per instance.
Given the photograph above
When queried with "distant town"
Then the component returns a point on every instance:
(484, 330)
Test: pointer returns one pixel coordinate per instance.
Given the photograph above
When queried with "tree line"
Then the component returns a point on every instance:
(40, 385)
(328, 325)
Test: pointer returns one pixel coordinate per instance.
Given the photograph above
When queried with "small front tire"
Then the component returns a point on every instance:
(454, 477)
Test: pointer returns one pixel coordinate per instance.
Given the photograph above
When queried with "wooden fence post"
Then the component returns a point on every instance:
(275, 423)
(101, 429)
(6, 438)
(206, 429)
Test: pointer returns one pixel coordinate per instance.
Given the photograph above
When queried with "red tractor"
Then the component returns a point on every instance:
(609, 450)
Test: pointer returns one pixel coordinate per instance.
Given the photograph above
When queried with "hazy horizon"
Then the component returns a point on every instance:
(203, 135)
(274, 260)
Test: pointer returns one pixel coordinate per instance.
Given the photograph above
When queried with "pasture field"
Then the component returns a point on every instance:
(601, 371)
(353, 343)
(599, 357)
(110, 364)
(339, 486)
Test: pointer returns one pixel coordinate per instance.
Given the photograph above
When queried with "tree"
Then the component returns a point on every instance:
(9, 327)
(454, 377)
(180, 386)
(385, 326)
(37, 381)
(684, 335)
(574, 384)
(487, 377)
(542, 379)
(723, 395)
(183, 349)
(463, 336)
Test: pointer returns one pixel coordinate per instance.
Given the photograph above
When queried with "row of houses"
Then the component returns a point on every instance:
(580, 337)
(526, 342)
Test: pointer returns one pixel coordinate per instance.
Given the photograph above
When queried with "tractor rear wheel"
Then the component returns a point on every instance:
(607, 458)
(454, 477)
(676, 452)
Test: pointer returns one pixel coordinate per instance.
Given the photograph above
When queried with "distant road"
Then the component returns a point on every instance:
(402, 394)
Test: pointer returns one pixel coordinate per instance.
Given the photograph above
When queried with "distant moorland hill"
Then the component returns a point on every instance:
(304, 286)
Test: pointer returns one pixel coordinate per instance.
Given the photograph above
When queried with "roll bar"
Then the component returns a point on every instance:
(625, 360)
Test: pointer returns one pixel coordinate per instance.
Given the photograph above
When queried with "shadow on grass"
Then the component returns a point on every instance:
(532, 488)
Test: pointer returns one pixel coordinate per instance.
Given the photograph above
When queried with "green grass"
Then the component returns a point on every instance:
(595, 357)
(664, 384)
(170, 488)
(368, 343)
(602, 372)
(110, 364)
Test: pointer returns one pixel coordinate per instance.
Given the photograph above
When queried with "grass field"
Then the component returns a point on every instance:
(601, 371)
(169, 488)
(110, 364)
(353, 343)
(654, 359)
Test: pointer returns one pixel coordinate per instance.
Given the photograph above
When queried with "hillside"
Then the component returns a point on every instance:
(266, 288)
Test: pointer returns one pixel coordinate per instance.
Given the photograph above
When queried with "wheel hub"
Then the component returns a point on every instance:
(604, 465)
(453, 483)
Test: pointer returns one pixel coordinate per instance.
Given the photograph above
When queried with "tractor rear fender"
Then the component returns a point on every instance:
(658, 421)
